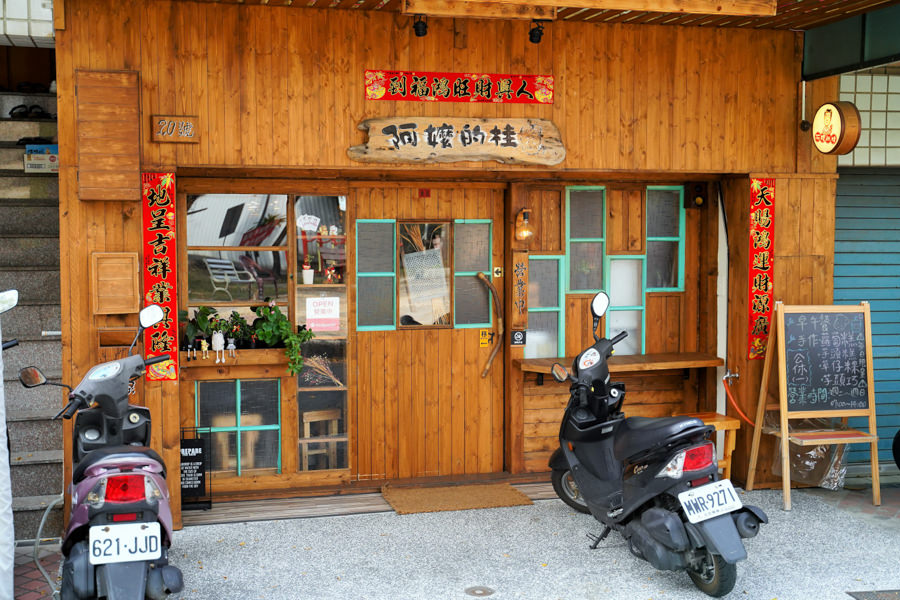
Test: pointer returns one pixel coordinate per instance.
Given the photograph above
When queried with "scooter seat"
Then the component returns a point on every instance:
(94, 456)
(640, 434)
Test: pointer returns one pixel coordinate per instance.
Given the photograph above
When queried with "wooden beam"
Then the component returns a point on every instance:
(476, 9)
(462, 8)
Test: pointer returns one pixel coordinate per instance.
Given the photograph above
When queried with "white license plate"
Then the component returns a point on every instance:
(708, 501)
(124, 542)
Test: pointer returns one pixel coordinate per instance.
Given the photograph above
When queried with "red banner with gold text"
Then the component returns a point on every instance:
(419, 86)
(762, 256)
(158, 271)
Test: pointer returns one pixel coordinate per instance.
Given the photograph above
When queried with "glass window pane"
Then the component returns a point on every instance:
(586, 266)
(216, 404)
(472, 301)
(375, 247)
(218, 276)
(424, 274)
(375, 301)
(259, 402)
(662, 264)
(321, 243)
(663, 209)
(323, 432)
(323, 364)
(543, 335)
(543, 283)
(323, 310)
(625, 288)
(236, 220)
(586, 214)
(630, 321)
(472, 247)
(259, 450)
(223, 449)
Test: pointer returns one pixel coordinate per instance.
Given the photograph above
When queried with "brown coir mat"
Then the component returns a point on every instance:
(408, 500)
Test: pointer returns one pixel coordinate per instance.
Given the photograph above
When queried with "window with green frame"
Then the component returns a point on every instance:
(242, 418)
(585, 237)
(546, 307)
(627, 308)
(665, 238)
(416, 282)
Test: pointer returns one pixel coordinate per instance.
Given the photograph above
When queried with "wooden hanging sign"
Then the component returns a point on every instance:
(824, 364)
(452, 139)
(175, 128)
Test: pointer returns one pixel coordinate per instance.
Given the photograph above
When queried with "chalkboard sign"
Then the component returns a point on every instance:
(194, 467)
(826, 360)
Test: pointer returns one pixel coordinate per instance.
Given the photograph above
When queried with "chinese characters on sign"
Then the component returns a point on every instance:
(158, 267)
(762, 254)
(437, 139)
(459, 87)
(170, 128)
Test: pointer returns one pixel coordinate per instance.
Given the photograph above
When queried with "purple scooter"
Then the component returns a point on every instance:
(120, 527)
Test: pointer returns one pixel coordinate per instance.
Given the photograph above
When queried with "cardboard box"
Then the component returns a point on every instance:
(42, 163)
(42, 149)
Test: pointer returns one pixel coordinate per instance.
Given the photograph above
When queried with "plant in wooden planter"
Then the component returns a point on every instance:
(201, 325)
(273, 329)
(239, 329)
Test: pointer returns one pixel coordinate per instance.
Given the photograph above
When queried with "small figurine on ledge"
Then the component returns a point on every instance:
(231, 348)
(218, 345)
(204, 349)
(330, 275)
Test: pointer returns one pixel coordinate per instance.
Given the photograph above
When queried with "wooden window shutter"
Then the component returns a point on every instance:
(108, 118)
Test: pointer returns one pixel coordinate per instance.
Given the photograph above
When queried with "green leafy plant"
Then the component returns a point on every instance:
(273, 329)
(202, 323)
(238, 328)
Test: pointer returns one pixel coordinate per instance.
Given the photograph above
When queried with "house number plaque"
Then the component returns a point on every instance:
(175, 128)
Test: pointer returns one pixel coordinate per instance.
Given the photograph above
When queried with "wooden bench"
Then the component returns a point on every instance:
(222, 270)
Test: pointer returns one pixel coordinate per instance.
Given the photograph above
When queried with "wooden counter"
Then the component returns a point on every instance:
(656, 385)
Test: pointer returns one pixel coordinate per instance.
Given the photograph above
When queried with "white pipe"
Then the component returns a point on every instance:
(7, 535)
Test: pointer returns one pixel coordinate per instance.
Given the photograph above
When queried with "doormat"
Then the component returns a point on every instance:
(883, 595)
(409, 500)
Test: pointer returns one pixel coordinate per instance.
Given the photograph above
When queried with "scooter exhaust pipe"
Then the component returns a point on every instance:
(747, 524)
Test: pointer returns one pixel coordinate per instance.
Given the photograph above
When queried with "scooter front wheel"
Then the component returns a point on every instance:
(712, 575)
(565, 487)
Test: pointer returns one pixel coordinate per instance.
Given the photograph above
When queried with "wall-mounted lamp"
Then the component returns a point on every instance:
(536, 32)
(420, 27)
(524, 229)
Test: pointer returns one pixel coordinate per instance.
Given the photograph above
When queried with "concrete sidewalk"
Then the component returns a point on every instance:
(831, 543)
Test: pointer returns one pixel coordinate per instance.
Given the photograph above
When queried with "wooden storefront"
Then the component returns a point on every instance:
(646, 113)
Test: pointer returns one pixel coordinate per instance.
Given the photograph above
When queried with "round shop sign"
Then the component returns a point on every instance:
(836, 128)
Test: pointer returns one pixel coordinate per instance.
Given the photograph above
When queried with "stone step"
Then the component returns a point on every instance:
(26, 220)
(36, 473)
(12, 130)
(12, 158)
(34, 250)
(49, 398)
(46, 355)
(27, 514)
(34, 430)
(34, 283)
(28, 321)
(26, 185)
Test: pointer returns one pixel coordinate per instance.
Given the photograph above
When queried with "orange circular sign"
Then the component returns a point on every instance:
(836, 128)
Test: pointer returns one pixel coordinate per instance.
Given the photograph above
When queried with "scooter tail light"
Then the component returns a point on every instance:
(121, 489)
(698, 457)
(674, 468)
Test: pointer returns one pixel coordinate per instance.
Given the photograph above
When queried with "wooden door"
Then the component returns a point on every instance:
(421, 405)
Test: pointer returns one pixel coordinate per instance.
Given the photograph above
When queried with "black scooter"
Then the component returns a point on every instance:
(654, 480)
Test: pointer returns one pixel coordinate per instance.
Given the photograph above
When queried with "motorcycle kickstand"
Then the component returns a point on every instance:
(599, 538)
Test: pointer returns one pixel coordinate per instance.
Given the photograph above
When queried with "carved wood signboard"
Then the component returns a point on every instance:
(452, 139)
(174, 128)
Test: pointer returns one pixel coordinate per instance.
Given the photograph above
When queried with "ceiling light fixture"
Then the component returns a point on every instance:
(420, 27)
(537, 31)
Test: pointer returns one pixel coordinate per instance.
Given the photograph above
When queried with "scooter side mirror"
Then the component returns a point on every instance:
(8, 299)
(599, 304)
(151, 315)
(31, 377)
(559, 373)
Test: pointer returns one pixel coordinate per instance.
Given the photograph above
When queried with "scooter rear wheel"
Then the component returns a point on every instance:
(714, 576)
(565, 487)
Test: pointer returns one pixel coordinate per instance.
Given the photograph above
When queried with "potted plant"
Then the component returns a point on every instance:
(273, 329)
(307, 272)
(201, 325)
(239, 329)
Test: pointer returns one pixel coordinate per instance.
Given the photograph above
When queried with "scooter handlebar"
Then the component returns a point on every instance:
(10, 344)
(156, 359)
(618, 338)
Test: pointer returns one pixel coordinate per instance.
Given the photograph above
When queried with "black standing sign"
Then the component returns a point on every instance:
(826, 361)
(194, 468)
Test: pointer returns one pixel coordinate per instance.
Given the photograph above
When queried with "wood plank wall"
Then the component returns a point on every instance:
(283, 86)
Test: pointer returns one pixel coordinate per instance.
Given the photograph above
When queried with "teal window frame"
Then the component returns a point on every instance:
(237, 429)
(490, 269)
(642, 308)
(680, 239)
(569, 239)
(391, 274)
(560, 309)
